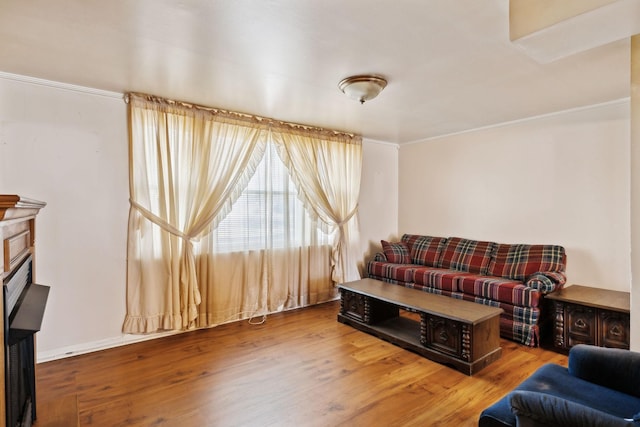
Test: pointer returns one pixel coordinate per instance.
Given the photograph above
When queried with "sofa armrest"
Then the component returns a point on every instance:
(380, 257)
(534, 409)
(546, 281)
(609, 367)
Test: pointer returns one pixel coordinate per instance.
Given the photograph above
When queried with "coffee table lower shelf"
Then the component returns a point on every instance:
(405, 333)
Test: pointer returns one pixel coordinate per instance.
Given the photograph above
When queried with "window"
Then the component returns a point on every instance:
(268, 214)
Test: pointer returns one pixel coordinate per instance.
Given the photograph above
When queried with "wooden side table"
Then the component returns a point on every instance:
(586, 315)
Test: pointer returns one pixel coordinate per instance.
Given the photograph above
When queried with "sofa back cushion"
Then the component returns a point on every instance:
(425, 250)
(467, 255)
(396, 252)
(521, 261)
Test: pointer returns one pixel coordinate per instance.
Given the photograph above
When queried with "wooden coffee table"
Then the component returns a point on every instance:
(457, 333)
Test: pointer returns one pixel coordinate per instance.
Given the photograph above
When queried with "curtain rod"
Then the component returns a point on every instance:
(263, 120)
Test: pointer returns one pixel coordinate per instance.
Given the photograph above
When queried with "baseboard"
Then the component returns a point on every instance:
(89, 347)
(124, 339)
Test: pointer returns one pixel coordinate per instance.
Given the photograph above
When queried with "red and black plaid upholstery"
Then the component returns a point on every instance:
(546, 282)
(467, 255)
(522, 262)
(500, 289)
(438, 278)
(402, 273)
(517, 323)
(410, 239)
(425, 250)
(396, 252)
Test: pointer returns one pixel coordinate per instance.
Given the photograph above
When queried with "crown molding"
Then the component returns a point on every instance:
(58, 85)
(620, 101)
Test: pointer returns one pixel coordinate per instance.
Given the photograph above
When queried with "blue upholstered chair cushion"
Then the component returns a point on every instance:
(533, 409)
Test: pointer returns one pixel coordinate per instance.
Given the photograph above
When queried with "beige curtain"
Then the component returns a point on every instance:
(267, 255)
(190, 264)
(186, 167)
(326, 168)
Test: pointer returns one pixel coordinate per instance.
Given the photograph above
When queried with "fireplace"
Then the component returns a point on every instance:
(21, 310)
(25, 302)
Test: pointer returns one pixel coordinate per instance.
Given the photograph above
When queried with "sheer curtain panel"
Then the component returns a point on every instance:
(268, 254)
(186, 166)
(326, 168)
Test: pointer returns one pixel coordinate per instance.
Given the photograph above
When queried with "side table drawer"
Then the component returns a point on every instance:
(614, 329)
(581, 325)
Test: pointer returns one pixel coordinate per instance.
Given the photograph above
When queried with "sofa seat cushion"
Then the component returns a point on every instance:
(438, 278)
(555, 380)
(392, 271)
(425, 250)
(472, 256)
(519, 262)
(500, 289)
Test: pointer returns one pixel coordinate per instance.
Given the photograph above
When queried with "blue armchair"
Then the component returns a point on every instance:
(600, 387)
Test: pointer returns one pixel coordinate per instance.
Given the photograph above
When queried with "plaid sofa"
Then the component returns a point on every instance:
(513, 277)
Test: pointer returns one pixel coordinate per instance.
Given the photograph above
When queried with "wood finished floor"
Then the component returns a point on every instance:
(299, 368)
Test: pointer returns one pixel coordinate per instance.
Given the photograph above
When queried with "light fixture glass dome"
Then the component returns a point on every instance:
(362, 87)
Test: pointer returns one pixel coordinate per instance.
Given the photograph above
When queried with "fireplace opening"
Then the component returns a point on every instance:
(20, 383)
(24, 304)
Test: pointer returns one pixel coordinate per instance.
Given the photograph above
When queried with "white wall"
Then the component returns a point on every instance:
(67, 146)
(560, 179)
(69, 149)
(378, 205)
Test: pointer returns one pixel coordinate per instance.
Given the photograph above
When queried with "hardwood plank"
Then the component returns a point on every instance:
(61, 412)
(300, 367)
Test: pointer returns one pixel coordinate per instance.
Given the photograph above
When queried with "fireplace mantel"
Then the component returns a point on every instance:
(17, 229)
(21, 309)
(13, 206)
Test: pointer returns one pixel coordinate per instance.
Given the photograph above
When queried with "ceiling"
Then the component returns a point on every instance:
(450, 64)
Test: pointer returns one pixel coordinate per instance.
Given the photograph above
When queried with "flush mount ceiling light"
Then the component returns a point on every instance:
(363, 87)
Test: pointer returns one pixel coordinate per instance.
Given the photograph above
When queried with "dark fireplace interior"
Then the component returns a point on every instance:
(21, 384)
(24, 303)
